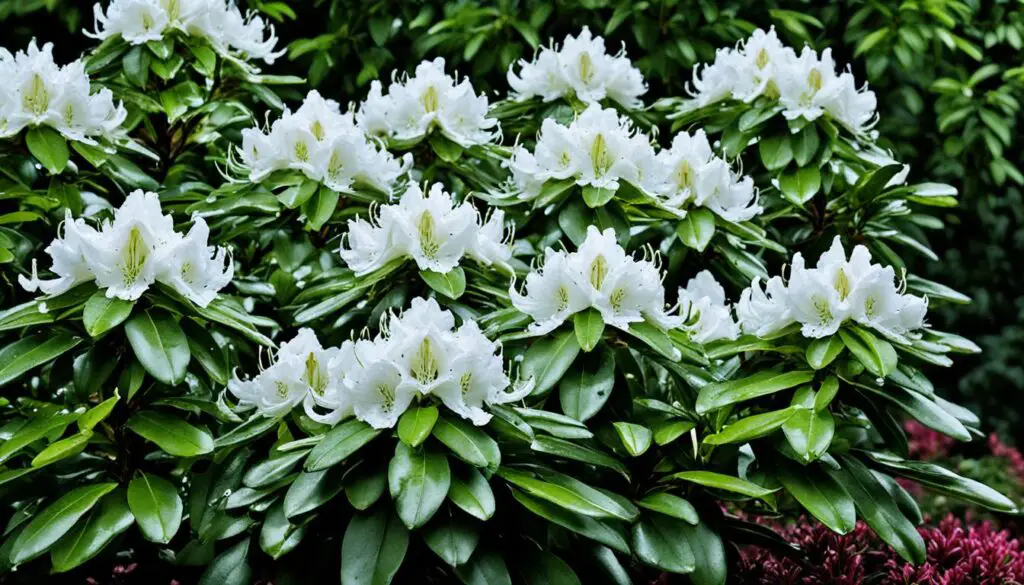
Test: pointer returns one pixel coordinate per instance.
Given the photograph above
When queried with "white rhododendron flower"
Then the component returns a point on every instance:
(835, 291)
(693, 175)
(38, 92)
(139, 247)
(428, 228)
(599, 275)
(581, 67)
(419, 354)
(599, 149)
(325, 145)
(709, 316)
(218, 21)
(413, 106)
(805, 85)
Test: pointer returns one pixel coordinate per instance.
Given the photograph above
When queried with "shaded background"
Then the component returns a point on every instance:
(949, 76)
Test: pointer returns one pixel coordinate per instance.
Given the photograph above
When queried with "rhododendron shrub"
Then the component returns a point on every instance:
(532, 337)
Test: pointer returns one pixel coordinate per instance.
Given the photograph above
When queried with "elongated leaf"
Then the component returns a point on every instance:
(548, 359)
(272, 470)
(571, 494)
(715, 396)
(670, 505)
(107, 520)
(451, 284)
(49, 148)
(26, 354)
(101, 314)
(415, 425)
(313, 489)
(585, 389)
(47, 527)
(709, 553)
(471, 492)
(604, 532)
(658, 541)
(724, 482)
(822, 352)
(279, 536)
(62, 449)
(697, 228)
(878, 509)
(752, 427)
(230, 567)
(578, 452)
(941, 479)
(820, 495)
(452, 539)
(418, 480)
(160, 345)
(339, 443)
(589, 327)
(157, 507)
(877, 355)
(366, 485)
(170, 433)
(373, 548)
(635, 438)
(484, 568)
(35, 430)
(468, 442)
(810, 432)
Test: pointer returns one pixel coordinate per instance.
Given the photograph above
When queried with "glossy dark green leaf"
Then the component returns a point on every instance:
(717, 395)
(230, 567)
(941, 479)
(170, 433)
(312, 489)
(373, 548)
(156, 505)
(604, 532)
(56, 520)
(418, 480)
(31, 352)
(271, 470)
(415, 425)
(159, 344)
(451, 284)
(278, 536)
(101, 314)
(49, 147)
(822, 352)
(105, 522)
(709, 551)
(584, 390)
(548, 359)
(658, 542)
(751, 427)
(635, 438)
(453, 539)
(471, 492)
(819, 494)
(469, 443)
(485, 567)
(696, 229)
(589, 327)
(339, 443)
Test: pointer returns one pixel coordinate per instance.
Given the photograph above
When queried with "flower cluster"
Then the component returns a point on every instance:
(601, 149)
(598, 149)
(429, 228)
(418, 354)
(218, 21)
(821, 299)
(709, 316)
(691, 174)
(598, 275)
(805, 85)
(38, 92)
(139, 247)
(580, 67)
(324, 144)
(430, 98)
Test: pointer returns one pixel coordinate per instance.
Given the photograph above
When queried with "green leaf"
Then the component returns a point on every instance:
(877, 355)
(751, 427)
(805, 145)
(157, 507)
(724, 482)
(271, 470)
(635, 438)
(468, 442)
(819, 494)
(800, 186)
(339, 443)
(878, 509)
(31, 352)
(696, 229)
(320, 207)
(484, 568)
(279, 536)
(170, 433)
(415, 425)
(310, 490)
(669, 505)
(205, 349)
(822, 352)
(547, 360)
(826, 393)
(49, 148)
(659, 543)
(655, 339)
(451, 284)
(102, 314)
(709, 552)
(555, 424)
(578, 452)
(98, 413)
(62, 449)
(589, 327)
(585, 389)
(250, 430)
(35, 430)
(597, 196)
(418, 480)
(448, 150)
(160, 345)
(604, 532)
(943, 480)
(544, 568)
(775, 151)
(472, 493)
(107, 520)
(373, 548)
(453, 539)
(571, 494)
(718, 395)
(230, 567)
(810, 432)
(366, 485)
(48, 526)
